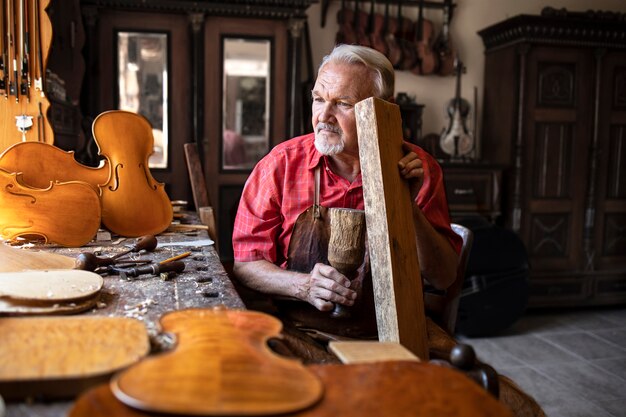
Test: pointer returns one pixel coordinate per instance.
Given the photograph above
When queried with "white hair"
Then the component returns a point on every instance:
(384, 76)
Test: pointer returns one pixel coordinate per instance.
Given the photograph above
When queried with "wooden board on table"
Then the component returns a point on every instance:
(20, 308)
(395, 388)
(50, 286)
(390, 229)
(220, 366)
(55, 357)
(15, 259)
(363, 351)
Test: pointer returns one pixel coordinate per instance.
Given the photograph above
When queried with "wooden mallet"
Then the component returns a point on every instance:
(346, 247)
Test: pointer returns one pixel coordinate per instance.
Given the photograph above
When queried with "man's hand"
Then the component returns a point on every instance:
(325, 287)
(412, 170)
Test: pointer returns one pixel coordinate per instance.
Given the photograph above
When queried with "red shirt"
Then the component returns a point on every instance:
(282, 184)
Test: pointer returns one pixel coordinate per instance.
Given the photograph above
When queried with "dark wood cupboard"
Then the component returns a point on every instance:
(555, 117)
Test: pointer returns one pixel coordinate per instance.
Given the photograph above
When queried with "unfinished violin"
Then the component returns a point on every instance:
(220, 366)
(67, 213)
(42, 163)
(133, 203)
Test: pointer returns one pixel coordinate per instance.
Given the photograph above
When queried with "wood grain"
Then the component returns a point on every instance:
(390, 229)
(41, 163)
(48, 357)
(50, 286)
(15, 259)
(221, 366)
(394, 388)
(133, 202)
(363, 351)
(67, 213)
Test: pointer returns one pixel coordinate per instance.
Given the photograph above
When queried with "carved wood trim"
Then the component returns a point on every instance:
(559, 27)
(267, 9)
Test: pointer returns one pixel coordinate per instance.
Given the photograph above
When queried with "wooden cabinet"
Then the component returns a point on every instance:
(555, 117)
(472, 189)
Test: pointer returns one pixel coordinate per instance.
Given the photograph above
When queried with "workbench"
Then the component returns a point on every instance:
(203, 284)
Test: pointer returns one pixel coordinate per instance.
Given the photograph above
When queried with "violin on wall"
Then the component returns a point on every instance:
(25, 38)
(409, 45)
(427, 60)
(443, 45)
(456, 140)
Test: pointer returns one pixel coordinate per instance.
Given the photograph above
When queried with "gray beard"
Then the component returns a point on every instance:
(325, 148)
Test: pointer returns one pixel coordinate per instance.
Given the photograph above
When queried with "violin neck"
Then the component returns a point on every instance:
(459, 71)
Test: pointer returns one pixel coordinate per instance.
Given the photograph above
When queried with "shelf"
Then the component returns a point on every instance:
(405, 3)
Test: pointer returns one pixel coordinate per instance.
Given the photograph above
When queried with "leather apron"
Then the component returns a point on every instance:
(308, 246)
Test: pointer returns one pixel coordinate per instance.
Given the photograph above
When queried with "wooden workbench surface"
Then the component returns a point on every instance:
(203, 284)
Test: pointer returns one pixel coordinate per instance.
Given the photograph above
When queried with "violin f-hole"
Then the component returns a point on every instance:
(10, 186)
(115, 186)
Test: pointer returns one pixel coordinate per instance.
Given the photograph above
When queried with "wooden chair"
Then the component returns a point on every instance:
(442, 306)
(199, 190)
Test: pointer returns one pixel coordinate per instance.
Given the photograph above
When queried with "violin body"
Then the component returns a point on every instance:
(443, 46)
(456, 140)
(427, 60)
(220, 366)
(406, 39)
(345, 19)
(377, 37)
(67, 213)
(42, 163)
(394, 51)
(362, 26)
(133, 203)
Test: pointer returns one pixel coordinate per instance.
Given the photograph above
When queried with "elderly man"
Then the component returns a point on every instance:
(290, 190)
(282, 187)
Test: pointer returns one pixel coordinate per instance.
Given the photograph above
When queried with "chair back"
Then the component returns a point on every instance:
(199, 190)
(442, 306)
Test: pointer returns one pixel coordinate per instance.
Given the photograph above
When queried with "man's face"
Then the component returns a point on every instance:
(337, 89)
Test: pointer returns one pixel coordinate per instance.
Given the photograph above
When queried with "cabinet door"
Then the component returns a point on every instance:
(558, 117)
(245, 99)
(608, 249)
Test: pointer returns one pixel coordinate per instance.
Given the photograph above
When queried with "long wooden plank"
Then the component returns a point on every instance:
(390, 229)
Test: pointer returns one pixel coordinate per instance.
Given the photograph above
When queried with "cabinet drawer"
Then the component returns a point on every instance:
(471, 191)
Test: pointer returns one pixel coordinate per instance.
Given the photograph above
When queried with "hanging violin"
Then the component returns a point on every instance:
(394, 52)
(443, 45)
(25, 39)
(456, 140)
(133, 203)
